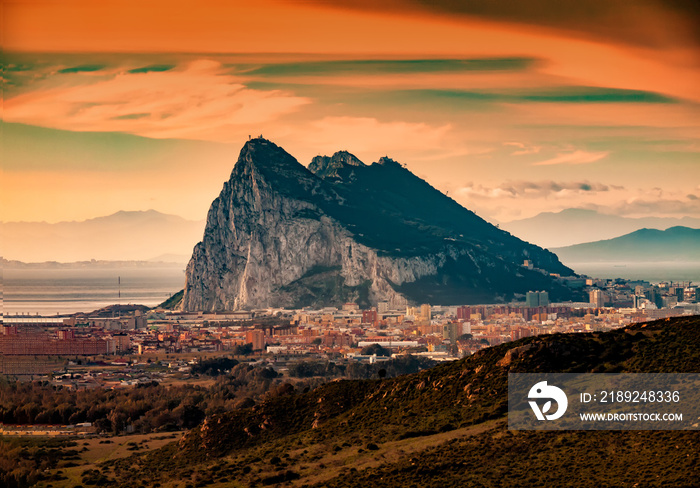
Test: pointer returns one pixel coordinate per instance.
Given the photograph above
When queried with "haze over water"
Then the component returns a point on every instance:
(652, 272)
(64, 291)
(46, 291)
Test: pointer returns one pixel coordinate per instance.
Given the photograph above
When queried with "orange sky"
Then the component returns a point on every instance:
(272, 26)
(469, 147)
(298, 26)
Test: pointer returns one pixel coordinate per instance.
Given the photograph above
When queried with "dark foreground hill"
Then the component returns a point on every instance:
(440, 427)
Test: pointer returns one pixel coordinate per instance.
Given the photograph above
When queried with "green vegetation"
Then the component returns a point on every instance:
(392, 368)
(214, 366)
(146, 408)
(500, 457)
(451, 398)
(375, 349)
(442, 426)
(25, 462)
(150, 407)
(173, 302)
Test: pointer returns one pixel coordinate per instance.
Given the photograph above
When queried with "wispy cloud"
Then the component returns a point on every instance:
(83, 68)
(556, 94)
(153, 67)
(575, 157)
(198, 102)
(370, 135)
(653, 23)
(517, 199)
(637, 207)
(389, 66)
(535, 189)
(523, 149)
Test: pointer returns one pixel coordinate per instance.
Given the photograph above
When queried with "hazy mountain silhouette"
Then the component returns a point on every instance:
(674, 244)
(125, 235)
(576, 225)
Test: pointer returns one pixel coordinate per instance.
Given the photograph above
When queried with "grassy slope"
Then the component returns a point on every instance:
(173, 302)
(330, 431)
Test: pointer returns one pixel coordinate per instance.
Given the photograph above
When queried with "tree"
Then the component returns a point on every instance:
(214, 366)
(244, 350)
(375, 349)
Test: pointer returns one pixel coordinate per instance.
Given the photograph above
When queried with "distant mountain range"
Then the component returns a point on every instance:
(644, 245)
(576, 226)
(164, 262)
(123, 236)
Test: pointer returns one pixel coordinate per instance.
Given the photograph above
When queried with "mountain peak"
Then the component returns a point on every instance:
(261, 151)
(578, 211)
(387, 161)
(262, 157)
(280, 235)
(328, 167)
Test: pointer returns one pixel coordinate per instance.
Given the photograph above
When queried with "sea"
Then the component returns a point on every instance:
(656, 272)
(61, 291)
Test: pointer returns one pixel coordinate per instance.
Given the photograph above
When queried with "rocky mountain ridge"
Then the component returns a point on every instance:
(325, 166)
(280, 235)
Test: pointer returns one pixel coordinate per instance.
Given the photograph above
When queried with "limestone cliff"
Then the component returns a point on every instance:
(280, 235)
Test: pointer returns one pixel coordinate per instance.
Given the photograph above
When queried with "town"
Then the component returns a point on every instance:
(168, 342)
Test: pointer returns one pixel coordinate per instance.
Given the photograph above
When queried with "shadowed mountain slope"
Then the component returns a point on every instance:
(280, 235)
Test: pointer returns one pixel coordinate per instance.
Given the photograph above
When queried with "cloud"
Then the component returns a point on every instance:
(153, 67)
(518, 199)
(368, 134)
(552, 95)
(198, 102)
(524, 148)
(586, 94)
(535, 189)
(651, 23)
(643, 206)
(575, 157)
(83, 68)
(391, 66)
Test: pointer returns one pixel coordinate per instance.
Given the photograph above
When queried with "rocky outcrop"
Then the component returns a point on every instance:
(280, 235)
(328, 167)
